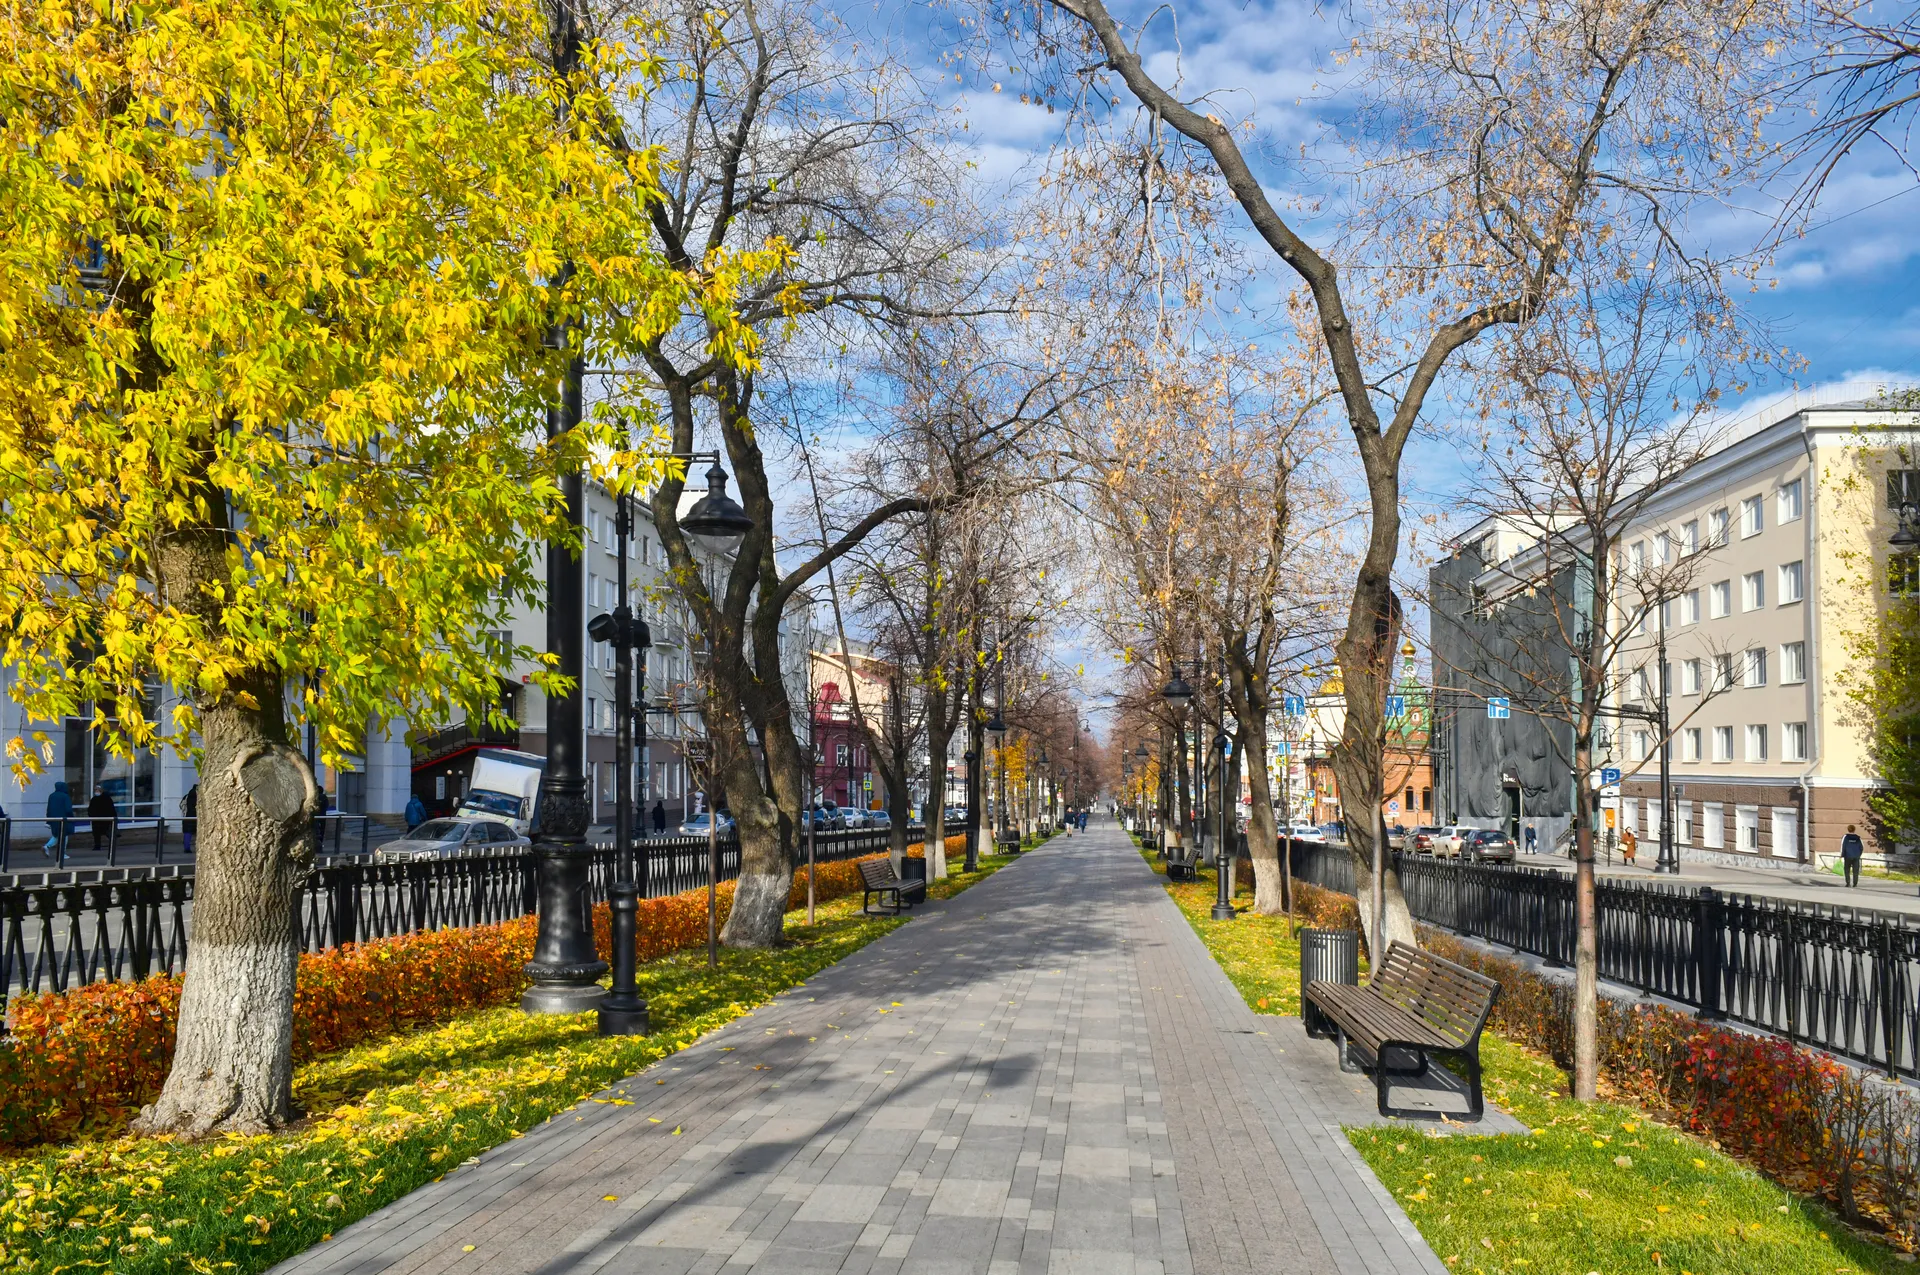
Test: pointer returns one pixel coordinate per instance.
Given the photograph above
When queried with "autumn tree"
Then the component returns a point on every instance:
(1495, 142)
(273, 383)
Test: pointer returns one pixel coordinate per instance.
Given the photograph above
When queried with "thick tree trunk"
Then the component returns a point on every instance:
(1263, 836)
(233, 1053)
(939, 739)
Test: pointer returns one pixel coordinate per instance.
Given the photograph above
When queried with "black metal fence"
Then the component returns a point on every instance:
(38, 845)
(55, 937)
(1844, 980)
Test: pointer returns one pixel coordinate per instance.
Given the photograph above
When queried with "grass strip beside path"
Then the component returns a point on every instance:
(385, 1118)
(1596, 1188)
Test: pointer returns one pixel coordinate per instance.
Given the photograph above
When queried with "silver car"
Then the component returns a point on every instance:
(446, 838)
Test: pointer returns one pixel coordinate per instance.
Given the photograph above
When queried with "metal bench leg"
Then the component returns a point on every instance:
(1348, 1063)
(1476, 1102)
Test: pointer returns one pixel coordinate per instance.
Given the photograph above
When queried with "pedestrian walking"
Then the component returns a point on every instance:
(1629, 846)
(59, 819)
(416, 813)
(1851, 850)
(100, 809)
(190, 817)
(660, 818)
(1533, 839)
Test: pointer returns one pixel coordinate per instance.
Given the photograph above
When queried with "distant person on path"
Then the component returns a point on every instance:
(1533, 839)
(59, 811)
(1629, 846)
(1851, 849)
(190, 817)
(101, 810)
(416, 813)
(660, 818)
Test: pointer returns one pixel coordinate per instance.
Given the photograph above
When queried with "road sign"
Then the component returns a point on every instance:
(1498, 707)
(1609, 774)
(1396, 706)
(867, 783)
(1281, 748)
(1293, 705)
(1393, 807)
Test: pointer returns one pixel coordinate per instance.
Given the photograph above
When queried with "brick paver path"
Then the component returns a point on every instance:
(1045, 1074)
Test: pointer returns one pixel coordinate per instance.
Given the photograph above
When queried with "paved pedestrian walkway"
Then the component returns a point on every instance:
(1046, 1073)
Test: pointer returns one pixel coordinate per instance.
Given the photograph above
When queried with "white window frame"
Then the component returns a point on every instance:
(1793, 741)
(1713, 825)
(1756, 741)
(1792, 583)
(1788, 505)
(1690, 607)
(1690, 677)
(1753, 516)
(1690, 536)
(1720, 521)
(1793, 663)
(1785, 832)
(1683, 823)
(1692, 744)
(1746, 828)
(1723, 743)
(1723, 671)
(1720, 599)
(1754, 671)
(1629, 812)
(1753, 590)
(1653, 819)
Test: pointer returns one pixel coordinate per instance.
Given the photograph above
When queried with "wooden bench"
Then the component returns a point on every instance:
(1415, 1003)
(1182, 861)
(878, 878)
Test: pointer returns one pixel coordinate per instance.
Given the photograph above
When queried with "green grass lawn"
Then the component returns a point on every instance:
(1596, 1188)
(385, 1117)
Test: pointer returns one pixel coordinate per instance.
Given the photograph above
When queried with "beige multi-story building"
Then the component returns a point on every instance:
(1772, 559)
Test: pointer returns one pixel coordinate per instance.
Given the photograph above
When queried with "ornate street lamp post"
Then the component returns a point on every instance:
(1223, 905)
(1178, 696)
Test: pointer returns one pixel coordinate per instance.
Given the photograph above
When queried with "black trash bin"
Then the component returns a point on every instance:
(1326, 956)
(914, 871)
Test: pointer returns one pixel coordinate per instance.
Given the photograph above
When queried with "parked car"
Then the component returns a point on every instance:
(852, 818)
(1488, 845)
(1422, 840)
(445, 838)
(828, 819)
(1448, 839)
(879, 820)
(1304, 832)
(697, 826)
(1396, 836)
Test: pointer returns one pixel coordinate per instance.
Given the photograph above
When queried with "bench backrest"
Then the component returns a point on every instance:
(1451, 999)
(877, 872)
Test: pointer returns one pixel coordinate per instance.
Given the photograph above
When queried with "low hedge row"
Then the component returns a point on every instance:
(1804, 1119)
(85, 1060)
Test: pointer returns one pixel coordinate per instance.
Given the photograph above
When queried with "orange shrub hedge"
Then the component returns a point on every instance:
(87, 1059)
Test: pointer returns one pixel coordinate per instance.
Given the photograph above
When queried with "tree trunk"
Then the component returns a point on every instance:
(939, 739)
(1263, 837)
(233, 1052)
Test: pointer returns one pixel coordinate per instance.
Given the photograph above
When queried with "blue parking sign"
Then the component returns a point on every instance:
(1498, 707)
(1609, 774)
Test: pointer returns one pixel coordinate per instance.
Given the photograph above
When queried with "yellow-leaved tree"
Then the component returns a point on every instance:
(286, 287)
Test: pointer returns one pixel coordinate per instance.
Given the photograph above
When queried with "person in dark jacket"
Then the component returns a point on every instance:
(100, 809)
(416, 812)
(659, 818)
(59, 817)
(1851, 850)
(190, 817)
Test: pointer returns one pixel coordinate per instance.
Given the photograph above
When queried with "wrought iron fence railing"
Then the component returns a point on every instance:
(1844, 980)
(55, 937)
(82, 841)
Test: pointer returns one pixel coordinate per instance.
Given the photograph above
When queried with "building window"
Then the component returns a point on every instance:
(1690, 677)
(1723, 671)
(1903, 574)
(1791, 583)
(1786, 832)
(1641, 745)
(1692, 737)
(1757, 666)
(1903, 488)
(1753, 517)
(1753, 590)
(1757, 742)
(1713, 825)
(1746, 823)
(1793, 741)
(1788, 503)
(842, 756)
(1717, 520)
(1720, 599)
(1653, 821)
(1637, 556)
(1690, 536)
(1642, 685)
(1723, 743)
(1690, 607)
(1793, 662)
(1663, 548)
(1426, 799)
(1629, 812)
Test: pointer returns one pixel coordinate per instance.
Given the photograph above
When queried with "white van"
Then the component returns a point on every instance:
(505, 788)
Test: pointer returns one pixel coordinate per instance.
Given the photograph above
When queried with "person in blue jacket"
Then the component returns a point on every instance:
(416, 812)
(1852, 850)
(59, 818)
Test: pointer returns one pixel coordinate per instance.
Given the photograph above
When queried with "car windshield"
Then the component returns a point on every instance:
(494, 803)
(439, 830)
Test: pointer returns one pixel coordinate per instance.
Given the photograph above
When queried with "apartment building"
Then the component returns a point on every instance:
(1767, 554)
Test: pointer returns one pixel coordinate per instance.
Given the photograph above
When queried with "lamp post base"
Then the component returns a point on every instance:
(624, 1020)
(557, 996)
(1224, 912)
